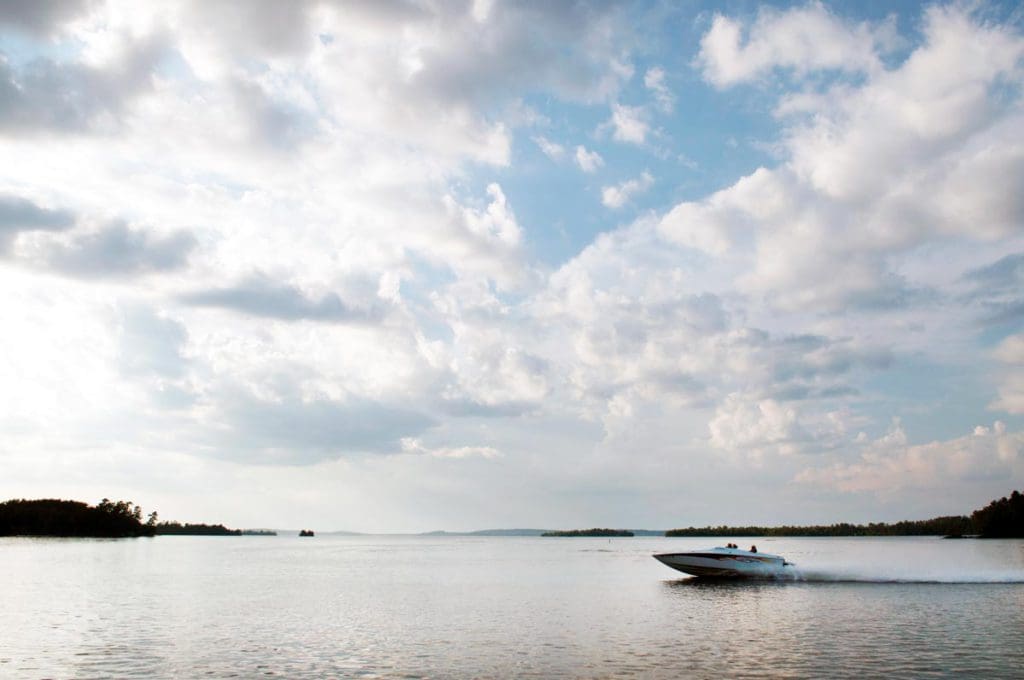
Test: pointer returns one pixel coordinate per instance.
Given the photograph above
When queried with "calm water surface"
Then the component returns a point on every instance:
(470, 607)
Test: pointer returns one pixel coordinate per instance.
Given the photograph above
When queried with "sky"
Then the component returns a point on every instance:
(416, 265)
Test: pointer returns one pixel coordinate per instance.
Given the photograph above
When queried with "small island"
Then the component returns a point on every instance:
(306, 532)
(590, 532)
(178, 529)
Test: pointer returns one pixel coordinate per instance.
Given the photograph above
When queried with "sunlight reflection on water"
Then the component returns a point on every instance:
(446, 606)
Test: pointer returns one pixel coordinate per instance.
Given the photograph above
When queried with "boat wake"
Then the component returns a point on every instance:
(907, 576)
(825, 577)
(869, 576)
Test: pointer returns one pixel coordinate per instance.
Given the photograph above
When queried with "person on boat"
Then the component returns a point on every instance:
(753, 548)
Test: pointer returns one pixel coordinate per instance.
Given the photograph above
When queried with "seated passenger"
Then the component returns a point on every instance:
(753, 548)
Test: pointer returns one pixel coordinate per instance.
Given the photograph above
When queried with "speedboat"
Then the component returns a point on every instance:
(727, 563)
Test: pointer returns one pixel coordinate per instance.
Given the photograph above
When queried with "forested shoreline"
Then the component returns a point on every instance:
(107, 519)
(1002, 518)
(590, 532)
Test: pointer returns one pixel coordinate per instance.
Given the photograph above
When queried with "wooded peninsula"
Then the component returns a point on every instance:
(106, 519)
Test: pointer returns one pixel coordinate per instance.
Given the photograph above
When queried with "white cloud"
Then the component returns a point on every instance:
(617, 196)
(552, 150)
(629, 123)
(859, 185)
(1010, 380)
(730, 216)
(415, 446)
(589, 161)
(891, 464)
(740, 425)
(328, 283)
(483, 241)
(654, 80)
(801, 39)
(1011, 350)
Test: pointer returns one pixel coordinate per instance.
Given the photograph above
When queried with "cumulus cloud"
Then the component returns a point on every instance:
(715, 223)
(739, 425)
(552, 150)
(863, 163)
(629, 124)
(654, 80)
(523, 45)
(801, 39)
(338, 150)
(262, 296)
(42, 17)
(891, 463)
(19, 214)
(589, 161)
(119, 250)
(483, 241)
(1010, 353)
(46, 95)
(490, 369)
(415, 446)
(638, 334)
(617, 196)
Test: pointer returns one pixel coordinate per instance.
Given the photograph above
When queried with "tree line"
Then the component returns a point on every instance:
(54, 517)
(1003, 518)
(107, 519)
(590, 532)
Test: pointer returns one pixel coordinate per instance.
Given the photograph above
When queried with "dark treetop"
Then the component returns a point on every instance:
(51, 517)
(107, 519)
(1003, 518)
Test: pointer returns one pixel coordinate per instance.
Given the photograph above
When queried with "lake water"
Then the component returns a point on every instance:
(384, 606)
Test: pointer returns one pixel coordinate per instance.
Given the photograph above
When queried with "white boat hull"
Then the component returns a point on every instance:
(727, 563)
